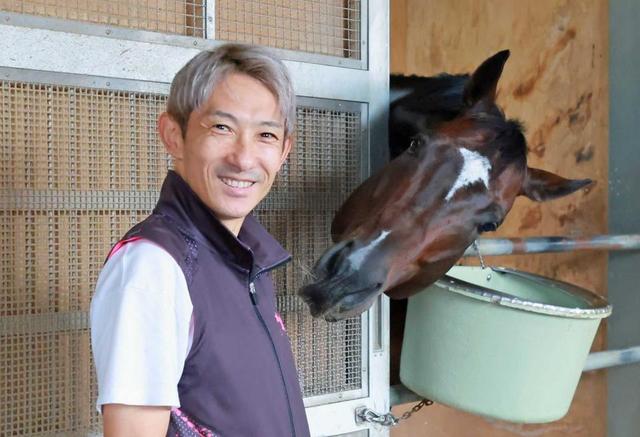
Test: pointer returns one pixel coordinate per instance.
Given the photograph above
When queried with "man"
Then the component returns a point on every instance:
(184, 328)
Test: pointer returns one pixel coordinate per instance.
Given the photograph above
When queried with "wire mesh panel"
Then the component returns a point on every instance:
(328, 27)
(324, 167)
(78, 168)
(181, 17)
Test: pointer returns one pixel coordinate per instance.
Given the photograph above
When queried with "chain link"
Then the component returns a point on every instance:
(388, 419)
(416, 408)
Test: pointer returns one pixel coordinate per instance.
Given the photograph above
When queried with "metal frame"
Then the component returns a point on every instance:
(362, 108)
(83, 201)
(88, 201)
(180, 41)
(61, 51)
(210, 19)
(363, 391)
(71, 79)
(376, 82)
(73, 53)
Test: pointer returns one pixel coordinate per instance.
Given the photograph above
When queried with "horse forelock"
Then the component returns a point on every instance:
(505, 136)
(512, 143)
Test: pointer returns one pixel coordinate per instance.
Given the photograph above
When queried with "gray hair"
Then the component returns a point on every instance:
(194, 83)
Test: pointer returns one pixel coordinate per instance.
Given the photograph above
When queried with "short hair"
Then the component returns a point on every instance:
(193, 84)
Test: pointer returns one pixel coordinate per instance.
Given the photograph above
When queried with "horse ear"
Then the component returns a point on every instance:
(483, 83)
(540, 185)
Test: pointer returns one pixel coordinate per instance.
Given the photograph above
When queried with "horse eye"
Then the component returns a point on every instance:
(413, 147)
(487, 227)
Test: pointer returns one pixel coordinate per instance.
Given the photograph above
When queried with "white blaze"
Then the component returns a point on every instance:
(357, 258)
(475, 168)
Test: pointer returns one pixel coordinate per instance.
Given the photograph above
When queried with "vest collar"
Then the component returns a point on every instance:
(254, 249)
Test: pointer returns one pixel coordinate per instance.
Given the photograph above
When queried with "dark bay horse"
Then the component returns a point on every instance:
(460, 165)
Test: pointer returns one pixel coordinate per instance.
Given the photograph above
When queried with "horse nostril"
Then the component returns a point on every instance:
(333, 260)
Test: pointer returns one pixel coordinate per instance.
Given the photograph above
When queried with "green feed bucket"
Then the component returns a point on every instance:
(500, 343)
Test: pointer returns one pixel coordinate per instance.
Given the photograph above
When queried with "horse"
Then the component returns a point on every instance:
(459, 165)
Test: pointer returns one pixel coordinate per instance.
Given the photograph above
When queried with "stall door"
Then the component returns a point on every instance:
(81, 86)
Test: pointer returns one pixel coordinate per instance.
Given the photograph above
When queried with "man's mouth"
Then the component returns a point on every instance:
(235, 183)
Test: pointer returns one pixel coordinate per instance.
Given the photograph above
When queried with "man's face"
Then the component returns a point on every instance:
(233, 149)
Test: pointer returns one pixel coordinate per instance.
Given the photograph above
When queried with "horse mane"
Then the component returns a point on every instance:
(441, 93)
(437, 99)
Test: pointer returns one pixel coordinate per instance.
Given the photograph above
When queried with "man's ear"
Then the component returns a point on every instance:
(286, 148)
(171, 135)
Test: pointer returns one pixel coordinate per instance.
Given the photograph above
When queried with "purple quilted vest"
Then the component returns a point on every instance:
(239, 378)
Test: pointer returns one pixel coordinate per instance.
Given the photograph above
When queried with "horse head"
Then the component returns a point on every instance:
(407, 225)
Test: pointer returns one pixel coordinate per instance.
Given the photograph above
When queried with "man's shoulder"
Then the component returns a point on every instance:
(168, 234)
(141, 261)
(157, 227)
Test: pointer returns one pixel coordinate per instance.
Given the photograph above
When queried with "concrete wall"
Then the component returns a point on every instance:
(624, 211)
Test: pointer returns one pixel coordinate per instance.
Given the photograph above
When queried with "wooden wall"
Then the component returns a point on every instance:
(556, 82)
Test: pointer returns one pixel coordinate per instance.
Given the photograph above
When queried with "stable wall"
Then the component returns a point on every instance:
(82, 164)
(556, 82)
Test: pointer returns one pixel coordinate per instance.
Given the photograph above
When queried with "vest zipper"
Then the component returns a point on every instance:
(252, 294)
(254, 301)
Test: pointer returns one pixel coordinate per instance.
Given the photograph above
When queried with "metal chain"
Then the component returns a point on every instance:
(475, 246)
(367, 415)
(416, 408)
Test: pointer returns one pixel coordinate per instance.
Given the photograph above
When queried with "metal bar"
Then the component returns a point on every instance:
(364, 33)
(77, 200)
(79, 80)
(606, 359)
(518, 246)
(57, 200)
(210, 19)
(73, 321)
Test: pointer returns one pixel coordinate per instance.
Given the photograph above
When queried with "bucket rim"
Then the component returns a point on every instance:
(600, 308)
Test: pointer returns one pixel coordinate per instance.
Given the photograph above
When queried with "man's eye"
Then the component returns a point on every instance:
(268, 135)
(222, 127)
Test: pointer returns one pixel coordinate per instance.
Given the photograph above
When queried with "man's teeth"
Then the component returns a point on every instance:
(236, 183)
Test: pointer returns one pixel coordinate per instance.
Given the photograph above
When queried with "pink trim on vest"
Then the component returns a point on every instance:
(120, 244)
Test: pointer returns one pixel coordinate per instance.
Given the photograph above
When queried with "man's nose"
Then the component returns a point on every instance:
(243, 153)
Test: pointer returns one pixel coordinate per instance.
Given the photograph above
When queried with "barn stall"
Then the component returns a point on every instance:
(569, 80)
(82, 86)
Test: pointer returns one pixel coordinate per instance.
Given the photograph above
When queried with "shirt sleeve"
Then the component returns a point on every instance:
(141, 327)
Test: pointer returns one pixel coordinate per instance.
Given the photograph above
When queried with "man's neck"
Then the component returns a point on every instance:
(234, 225)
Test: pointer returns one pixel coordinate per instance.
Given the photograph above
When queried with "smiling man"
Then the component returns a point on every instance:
(184, 328)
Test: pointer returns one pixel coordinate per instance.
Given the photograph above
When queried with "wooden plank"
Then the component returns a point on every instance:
(556, 82)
